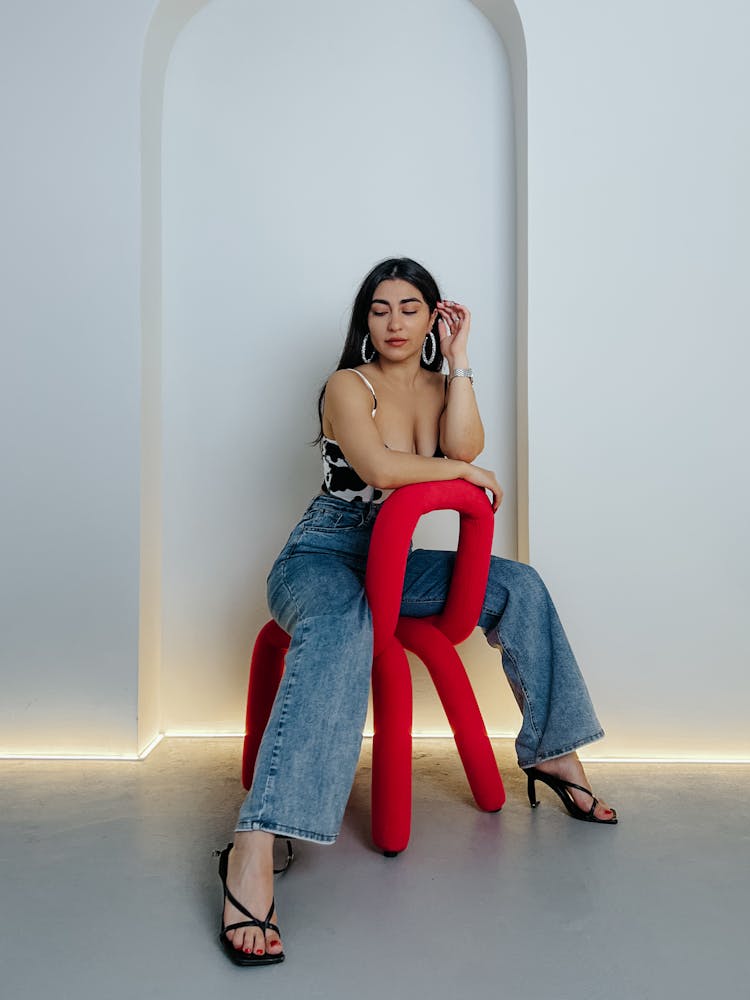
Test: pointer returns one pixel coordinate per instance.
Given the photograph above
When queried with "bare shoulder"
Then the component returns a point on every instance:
(345, 387)
(344, 381)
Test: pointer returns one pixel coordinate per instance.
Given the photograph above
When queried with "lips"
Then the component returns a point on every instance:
(396, 341)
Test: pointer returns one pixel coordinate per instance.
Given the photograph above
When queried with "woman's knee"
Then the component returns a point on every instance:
(344, 632)
(303, 588)
(511, 586)
(512, 577)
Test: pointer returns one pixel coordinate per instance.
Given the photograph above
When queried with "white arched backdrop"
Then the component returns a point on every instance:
(637, 297)
(292, 161)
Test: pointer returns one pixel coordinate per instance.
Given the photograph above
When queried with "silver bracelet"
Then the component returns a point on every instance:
(462, 373)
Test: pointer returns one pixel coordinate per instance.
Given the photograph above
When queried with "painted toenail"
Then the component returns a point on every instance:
(258, 951)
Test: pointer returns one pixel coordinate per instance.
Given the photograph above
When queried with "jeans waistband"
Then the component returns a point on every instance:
(368, 509)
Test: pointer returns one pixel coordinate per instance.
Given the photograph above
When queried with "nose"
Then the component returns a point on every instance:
(394, 323)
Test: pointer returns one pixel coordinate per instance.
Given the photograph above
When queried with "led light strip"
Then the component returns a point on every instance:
(144, 753)
(666, 760)
(87, 756)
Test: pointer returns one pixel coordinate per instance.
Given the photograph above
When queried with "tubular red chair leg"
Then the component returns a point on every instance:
(391, 750)
(432, 639)
(266, 669)
(460, 704)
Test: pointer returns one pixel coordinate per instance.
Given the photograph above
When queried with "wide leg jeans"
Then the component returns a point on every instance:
(309, 752)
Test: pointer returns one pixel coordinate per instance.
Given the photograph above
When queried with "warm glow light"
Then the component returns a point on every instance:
(69, 756)
(183, 735)
(619, 759)
(87, 756)
(425, 734)
(150, 746)
(675, 759)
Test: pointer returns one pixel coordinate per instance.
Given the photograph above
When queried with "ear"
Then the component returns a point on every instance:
(433, 316)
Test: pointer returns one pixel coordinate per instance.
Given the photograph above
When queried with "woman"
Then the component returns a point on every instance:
(388, 418)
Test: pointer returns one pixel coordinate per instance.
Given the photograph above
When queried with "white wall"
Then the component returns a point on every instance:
(639, 213)
(69, 382)
(300, 147)
(638, 210)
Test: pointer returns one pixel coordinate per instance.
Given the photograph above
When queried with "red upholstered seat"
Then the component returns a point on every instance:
(432, 639)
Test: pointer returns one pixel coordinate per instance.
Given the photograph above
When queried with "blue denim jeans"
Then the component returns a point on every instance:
(309, 753)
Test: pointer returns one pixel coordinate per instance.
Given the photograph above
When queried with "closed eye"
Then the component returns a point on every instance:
(413, 312)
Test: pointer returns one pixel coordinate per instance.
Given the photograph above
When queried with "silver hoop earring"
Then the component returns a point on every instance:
(433, 343)
(364, 351)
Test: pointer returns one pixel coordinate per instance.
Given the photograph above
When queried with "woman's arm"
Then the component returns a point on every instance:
(348, 406)
(461, 430)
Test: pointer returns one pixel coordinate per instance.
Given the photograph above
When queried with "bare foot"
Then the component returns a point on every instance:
(570, 768)
(250, 880)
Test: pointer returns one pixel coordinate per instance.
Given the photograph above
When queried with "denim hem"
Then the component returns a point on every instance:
(561, 753)
(286, 831)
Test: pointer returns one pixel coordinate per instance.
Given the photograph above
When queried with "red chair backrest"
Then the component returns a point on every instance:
(389, 549)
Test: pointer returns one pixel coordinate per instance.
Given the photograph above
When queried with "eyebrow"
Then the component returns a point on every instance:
(385, 302)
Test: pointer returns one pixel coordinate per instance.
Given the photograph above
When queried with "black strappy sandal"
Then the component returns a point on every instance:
(561, 786)
(234, 954)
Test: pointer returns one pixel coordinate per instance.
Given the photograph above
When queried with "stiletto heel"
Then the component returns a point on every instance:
(531, 789)
(234, 954)
(561, 786)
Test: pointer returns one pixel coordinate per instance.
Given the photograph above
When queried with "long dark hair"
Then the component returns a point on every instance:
(393, 267)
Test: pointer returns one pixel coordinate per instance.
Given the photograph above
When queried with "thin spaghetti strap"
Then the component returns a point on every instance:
(369, 386)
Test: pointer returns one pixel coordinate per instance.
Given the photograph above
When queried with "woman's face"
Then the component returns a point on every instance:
(399, 319)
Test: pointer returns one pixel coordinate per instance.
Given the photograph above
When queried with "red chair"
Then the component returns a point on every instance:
(432, 639)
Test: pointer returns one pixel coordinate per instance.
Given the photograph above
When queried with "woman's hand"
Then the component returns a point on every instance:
(453, 326)
(486, 480)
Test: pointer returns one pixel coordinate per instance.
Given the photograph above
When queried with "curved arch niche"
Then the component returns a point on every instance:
(268, 187)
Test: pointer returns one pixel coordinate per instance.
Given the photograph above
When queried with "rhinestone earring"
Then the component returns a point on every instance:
(433, 344)
(364, 351)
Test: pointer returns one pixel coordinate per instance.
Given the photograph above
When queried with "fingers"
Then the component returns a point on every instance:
(497, 499)
(494, 498)
(444, 331)
(450, 316)
(496, 495)
(455, 316)
(496, 490)
(487, 481)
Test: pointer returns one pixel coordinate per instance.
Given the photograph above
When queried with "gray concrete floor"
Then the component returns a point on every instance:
(109, 889)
